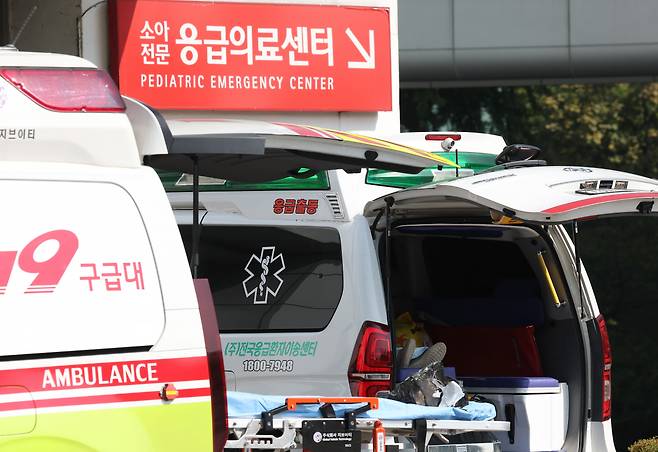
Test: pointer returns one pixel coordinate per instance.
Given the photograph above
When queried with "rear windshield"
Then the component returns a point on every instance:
(268, 278)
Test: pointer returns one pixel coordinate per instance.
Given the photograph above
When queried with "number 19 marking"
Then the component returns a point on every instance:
(48, 272)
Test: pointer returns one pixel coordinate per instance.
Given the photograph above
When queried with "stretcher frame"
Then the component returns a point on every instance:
(284, 433)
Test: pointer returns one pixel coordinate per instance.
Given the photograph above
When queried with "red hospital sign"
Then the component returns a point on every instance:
(182, 54)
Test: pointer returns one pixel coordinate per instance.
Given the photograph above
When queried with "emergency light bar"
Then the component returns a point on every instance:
(67, 90)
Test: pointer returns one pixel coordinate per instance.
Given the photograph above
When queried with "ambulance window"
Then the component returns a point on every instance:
(267, 278)
(469, 163)
(77, 270)
(176, 182)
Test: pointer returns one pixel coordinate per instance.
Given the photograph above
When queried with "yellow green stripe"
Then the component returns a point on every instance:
(173, 427)
(362, 139)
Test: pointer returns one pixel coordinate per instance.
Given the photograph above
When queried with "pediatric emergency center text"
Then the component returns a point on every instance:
(255, 82)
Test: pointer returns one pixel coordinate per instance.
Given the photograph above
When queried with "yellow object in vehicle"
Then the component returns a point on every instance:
(549, 280)
(406, 328)
(499, 218)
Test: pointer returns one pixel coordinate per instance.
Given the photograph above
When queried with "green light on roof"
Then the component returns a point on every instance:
(181, 182)
(470, 163)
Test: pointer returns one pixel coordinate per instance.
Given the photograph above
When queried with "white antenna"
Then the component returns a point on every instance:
(25, 22)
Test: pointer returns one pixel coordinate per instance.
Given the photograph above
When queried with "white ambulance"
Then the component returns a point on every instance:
(483, 263)
(107, 342)
(103, 346)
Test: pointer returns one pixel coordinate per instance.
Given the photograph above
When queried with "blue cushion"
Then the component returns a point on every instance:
(510, 382)
(245, 405)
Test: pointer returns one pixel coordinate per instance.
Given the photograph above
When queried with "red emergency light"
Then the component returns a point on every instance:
(442, 136)
(67, 90)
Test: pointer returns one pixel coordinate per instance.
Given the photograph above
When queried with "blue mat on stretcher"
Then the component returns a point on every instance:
(246, 405)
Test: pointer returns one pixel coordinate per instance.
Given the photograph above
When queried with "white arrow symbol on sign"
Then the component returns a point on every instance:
(368, 57)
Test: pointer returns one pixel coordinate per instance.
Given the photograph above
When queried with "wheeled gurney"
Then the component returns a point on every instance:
(347, 423)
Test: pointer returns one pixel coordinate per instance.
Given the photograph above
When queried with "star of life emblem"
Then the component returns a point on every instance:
(263, 277)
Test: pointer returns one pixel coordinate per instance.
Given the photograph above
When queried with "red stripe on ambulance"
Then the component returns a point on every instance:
(96, 375)
(99, 399)
(599, 200)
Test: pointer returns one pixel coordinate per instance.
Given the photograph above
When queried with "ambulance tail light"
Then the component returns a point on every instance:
(606, 377)
(601, 354)
(215, 362)
(66, 89)
(371, 368)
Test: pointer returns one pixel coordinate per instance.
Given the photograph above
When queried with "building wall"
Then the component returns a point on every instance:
(52, 28)
(4, 22)
(466, 42)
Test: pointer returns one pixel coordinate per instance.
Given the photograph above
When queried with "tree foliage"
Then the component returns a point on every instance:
(600, 125)
(645, 445)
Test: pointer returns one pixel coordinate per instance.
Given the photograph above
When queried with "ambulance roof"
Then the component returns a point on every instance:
(62, 109)
(484, 143)
(11, 57)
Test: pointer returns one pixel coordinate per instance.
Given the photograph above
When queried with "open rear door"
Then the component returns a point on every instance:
(255, 151)
(543, 194)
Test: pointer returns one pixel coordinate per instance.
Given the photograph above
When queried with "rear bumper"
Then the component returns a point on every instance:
(598, 437)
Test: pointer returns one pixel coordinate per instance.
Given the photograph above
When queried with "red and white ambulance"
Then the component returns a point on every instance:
(103, 347)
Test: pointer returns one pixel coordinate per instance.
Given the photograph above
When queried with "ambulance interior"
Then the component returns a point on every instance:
(483, 290)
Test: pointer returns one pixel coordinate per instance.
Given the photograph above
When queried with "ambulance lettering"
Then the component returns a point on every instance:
(295, 206)
(98, 375)
(49, 255)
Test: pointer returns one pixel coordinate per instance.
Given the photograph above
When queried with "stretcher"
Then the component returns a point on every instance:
(327, 424)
